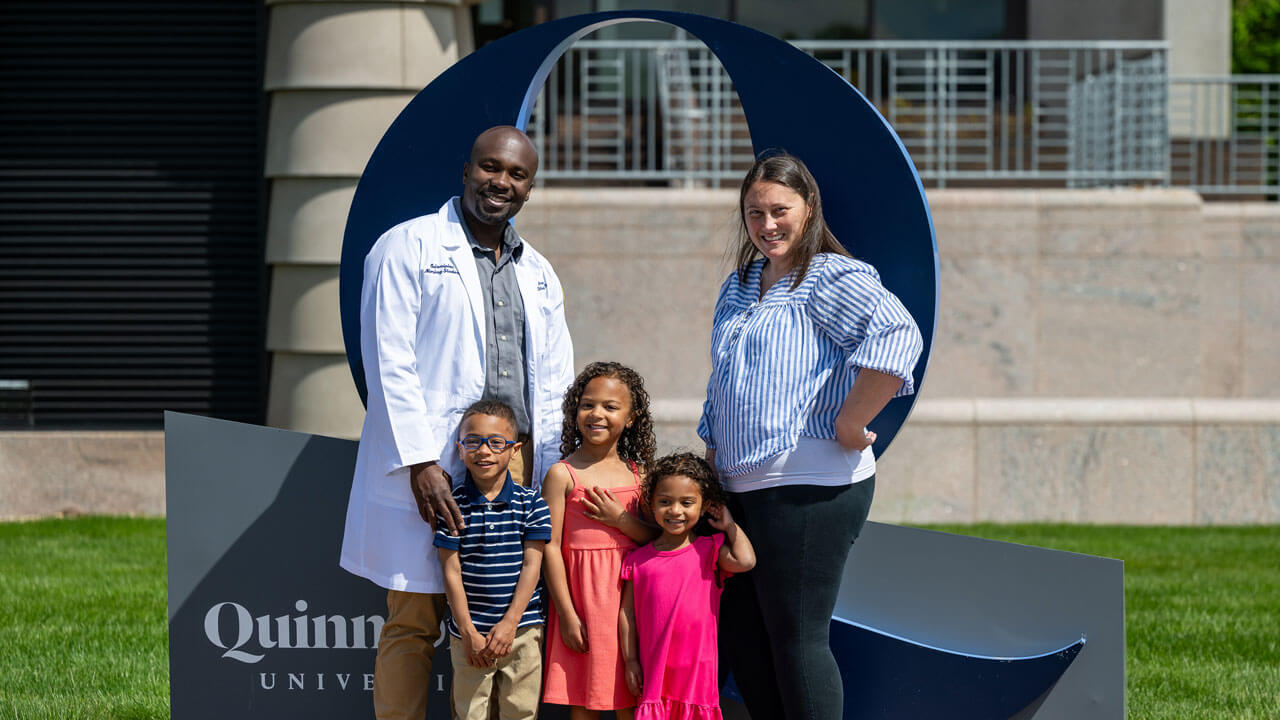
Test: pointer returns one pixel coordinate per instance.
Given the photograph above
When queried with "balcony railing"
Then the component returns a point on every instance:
(1067, 114)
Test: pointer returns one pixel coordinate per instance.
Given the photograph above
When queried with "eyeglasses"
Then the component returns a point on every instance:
(496, 443)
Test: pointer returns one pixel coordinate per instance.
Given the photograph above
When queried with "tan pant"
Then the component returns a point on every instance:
(402, 671)
(521, 467)
(514, 682)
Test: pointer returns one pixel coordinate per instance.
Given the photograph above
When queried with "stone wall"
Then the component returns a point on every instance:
(75, 472)
(1044, 293)
(1101, 356)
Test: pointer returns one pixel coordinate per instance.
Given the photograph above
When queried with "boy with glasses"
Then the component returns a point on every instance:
(491, 573)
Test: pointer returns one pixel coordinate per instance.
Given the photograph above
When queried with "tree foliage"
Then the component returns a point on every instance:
(1255, 36)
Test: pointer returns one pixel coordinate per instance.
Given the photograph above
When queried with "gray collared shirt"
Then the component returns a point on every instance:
(504, 357)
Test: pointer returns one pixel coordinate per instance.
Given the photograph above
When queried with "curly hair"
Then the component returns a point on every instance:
(637, 443)
(692, 467)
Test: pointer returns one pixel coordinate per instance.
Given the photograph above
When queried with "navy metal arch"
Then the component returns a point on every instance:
(873, 198)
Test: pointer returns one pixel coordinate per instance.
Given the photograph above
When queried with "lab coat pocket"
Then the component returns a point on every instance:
(550, 360)
(393, 489)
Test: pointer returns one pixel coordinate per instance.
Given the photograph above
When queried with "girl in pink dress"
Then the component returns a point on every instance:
(594, 499)
(671, 592)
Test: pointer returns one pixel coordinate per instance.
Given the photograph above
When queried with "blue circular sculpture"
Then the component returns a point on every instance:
(872, 195)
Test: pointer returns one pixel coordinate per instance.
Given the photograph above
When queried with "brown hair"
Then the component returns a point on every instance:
(789, 171)
(637, 443)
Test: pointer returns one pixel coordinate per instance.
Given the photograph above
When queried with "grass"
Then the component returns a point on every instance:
(83, 631)
(83, 628)
(1202, 613)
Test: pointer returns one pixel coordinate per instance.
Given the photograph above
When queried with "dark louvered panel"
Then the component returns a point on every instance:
(131, 264)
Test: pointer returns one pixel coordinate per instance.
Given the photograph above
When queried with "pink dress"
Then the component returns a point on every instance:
(677, 597)
(593, 554)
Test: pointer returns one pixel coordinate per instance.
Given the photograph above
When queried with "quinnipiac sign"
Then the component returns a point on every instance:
(262, 621)
(264, 624)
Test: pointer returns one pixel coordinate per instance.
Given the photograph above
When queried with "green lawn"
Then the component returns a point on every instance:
(83, 635)
(83, 628)
(1202, 613)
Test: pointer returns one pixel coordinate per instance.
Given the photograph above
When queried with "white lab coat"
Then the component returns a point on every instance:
(422, 338)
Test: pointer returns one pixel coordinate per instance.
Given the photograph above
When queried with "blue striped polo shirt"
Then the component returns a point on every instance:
(782, 365)
(491, 549)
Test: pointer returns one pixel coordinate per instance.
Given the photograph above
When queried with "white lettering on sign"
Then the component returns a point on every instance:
(302, 681)
(299, 632)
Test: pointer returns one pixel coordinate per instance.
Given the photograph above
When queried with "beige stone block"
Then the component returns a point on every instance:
(1260, 328)
(928, 475)
(435, 37)
(674, 437)
(1221, 368)
(1089, 411)
(675, 423)
(46, 473)
(314, 393)
(306, 220)
(1260, 231)
(985, 222)
(986, 339)
(1121, 327)
(303, 311)
(1102, 474)
(336, 45)
(1239, 411)
(630, 222)
(327, 133)
(1111, 223)
(653, 315)
(1222, 231)
(1237, 474)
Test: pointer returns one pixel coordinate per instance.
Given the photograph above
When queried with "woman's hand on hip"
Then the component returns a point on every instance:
(851, 435)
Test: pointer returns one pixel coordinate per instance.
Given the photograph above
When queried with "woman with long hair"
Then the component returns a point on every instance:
(807, 347)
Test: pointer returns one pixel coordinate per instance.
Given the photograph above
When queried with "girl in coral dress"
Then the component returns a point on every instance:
(671, 592)
(594, 498)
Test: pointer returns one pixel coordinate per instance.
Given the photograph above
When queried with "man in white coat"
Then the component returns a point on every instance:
(455, 308)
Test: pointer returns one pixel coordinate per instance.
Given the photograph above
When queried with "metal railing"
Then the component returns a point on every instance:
(1225, 134)
(1074, 114)
(1012, 111)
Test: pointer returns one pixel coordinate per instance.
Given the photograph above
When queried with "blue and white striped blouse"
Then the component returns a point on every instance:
(782, 365)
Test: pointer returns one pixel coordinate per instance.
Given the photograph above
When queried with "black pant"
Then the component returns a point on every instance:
(775, 620)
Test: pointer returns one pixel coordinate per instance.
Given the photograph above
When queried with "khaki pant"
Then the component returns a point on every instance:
(514, 683)
(402, 671)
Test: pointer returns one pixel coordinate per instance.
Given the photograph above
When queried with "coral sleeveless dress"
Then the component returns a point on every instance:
(593, 554)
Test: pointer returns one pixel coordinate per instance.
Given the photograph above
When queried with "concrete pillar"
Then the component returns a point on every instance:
(338, 73)
(1199, 35)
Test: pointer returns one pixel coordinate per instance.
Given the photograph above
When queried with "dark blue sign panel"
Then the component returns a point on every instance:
(873, 198)
(264, 624)
(262, 621)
